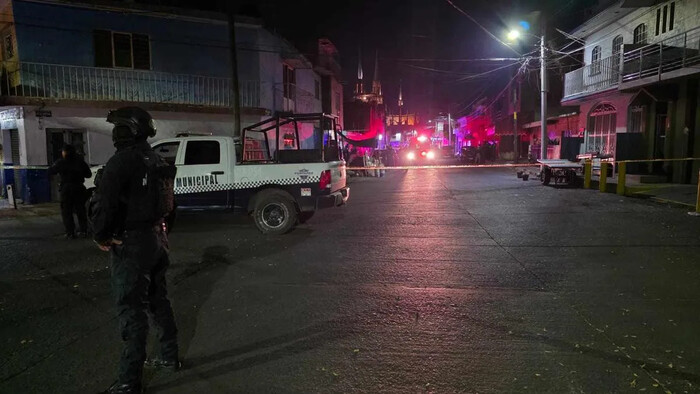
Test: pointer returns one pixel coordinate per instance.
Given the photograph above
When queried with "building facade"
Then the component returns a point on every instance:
(638, 91)
(65, 64)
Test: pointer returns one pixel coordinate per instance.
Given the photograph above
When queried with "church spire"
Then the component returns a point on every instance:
(359, 87)
(359, 65)
(376, 85)
(376, 66)
(400, 95)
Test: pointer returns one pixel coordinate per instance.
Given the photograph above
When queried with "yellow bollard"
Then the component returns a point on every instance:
(621, 175)
(587, 169)
(697, 203)
(603, 183)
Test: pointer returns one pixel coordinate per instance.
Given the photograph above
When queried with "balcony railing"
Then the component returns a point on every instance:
(675, 53)
(592, 78)
(62, 82)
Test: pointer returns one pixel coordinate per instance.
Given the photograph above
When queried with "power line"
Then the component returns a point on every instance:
(482, 27)
(484, 73)
(492, 59)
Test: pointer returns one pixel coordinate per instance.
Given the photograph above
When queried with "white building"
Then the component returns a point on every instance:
(638, 90)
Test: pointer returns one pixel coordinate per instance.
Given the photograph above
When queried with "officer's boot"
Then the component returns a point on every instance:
(120, 388)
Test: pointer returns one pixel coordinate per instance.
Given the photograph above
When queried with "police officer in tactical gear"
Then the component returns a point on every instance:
(73, 171)
(125, 224)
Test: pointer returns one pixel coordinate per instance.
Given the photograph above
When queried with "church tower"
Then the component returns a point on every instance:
(376, 84)
(359, 86)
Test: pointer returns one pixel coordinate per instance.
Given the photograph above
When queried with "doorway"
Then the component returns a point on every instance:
(55, 139)
(661, 125)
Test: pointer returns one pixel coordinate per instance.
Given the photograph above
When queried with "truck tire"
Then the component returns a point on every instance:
(274, 212)
(305, 216)
(546, 176)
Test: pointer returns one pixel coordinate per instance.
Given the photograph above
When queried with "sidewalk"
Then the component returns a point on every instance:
(684, 195)
(45, 209)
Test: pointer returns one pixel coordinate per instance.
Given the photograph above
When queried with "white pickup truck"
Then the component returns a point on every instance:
(279, 192)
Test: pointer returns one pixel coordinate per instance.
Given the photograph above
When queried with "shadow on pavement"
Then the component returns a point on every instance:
(267, 350)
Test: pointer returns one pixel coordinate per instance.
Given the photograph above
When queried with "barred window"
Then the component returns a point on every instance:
(595, 60)
(640, 34)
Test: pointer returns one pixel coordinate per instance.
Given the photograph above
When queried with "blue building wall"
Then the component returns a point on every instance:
(59, 34)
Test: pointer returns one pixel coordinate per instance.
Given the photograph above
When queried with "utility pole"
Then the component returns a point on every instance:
(516, 156)
(543, 98)
(449, 129)
(235, 92)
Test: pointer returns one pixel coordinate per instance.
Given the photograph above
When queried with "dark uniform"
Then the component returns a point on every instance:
(139, 263)
(73, 171)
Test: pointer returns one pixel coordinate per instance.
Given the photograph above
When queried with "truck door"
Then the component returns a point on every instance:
(204, 175)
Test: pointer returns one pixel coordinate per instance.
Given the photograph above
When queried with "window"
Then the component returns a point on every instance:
(289, 81)
(317, 89)
(141, 47)
(14, 147)
(665, 18)
(663, 26)
(640, 34)
(672, 16)
(9, 47)
(595, 61)
(636, 119)
(601, 127)
(617, 45)
(658, 21)
(123, 50)
(168, 151)
(616, 50)
(202, 152)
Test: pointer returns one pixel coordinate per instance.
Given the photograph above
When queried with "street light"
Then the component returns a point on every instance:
(514, 35)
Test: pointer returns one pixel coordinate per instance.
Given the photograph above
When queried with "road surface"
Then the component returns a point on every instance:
(435, 281)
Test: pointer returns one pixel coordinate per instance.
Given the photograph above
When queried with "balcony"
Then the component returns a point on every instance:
(672, 57)
(593, 78)
(62, 82)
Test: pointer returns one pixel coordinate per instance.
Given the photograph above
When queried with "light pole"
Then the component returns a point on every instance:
(543, 99)
(514, 35)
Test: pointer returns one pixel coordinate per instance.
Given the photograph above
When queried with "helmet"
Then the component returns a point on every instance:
(138, 120)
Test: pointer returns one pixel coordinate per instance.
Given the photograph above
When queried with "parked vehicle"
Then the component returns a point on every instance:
(279, 188)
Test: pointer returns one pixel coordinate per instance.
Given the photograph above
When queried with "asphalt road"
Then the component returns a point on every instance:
(428, 281)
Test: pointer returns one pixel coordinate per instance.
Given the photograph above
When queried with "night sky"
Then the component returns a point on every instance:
(413, 38)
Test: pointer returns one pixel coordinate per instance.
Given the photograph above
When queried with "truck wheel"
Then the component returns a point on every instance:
(274, 212)
(546, 176)
(305, 216)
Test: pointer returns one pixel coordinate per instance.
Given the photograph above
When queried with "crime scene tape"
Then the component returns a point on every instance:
(449, 166)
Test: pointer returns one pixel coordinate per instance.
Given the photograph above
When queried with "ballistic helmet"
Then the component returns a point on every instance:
(137, 120)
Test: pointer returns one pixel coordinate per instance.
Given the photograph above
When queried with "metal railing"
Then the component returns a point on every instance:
(670, 54)
(63, 82)
(595, 77)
